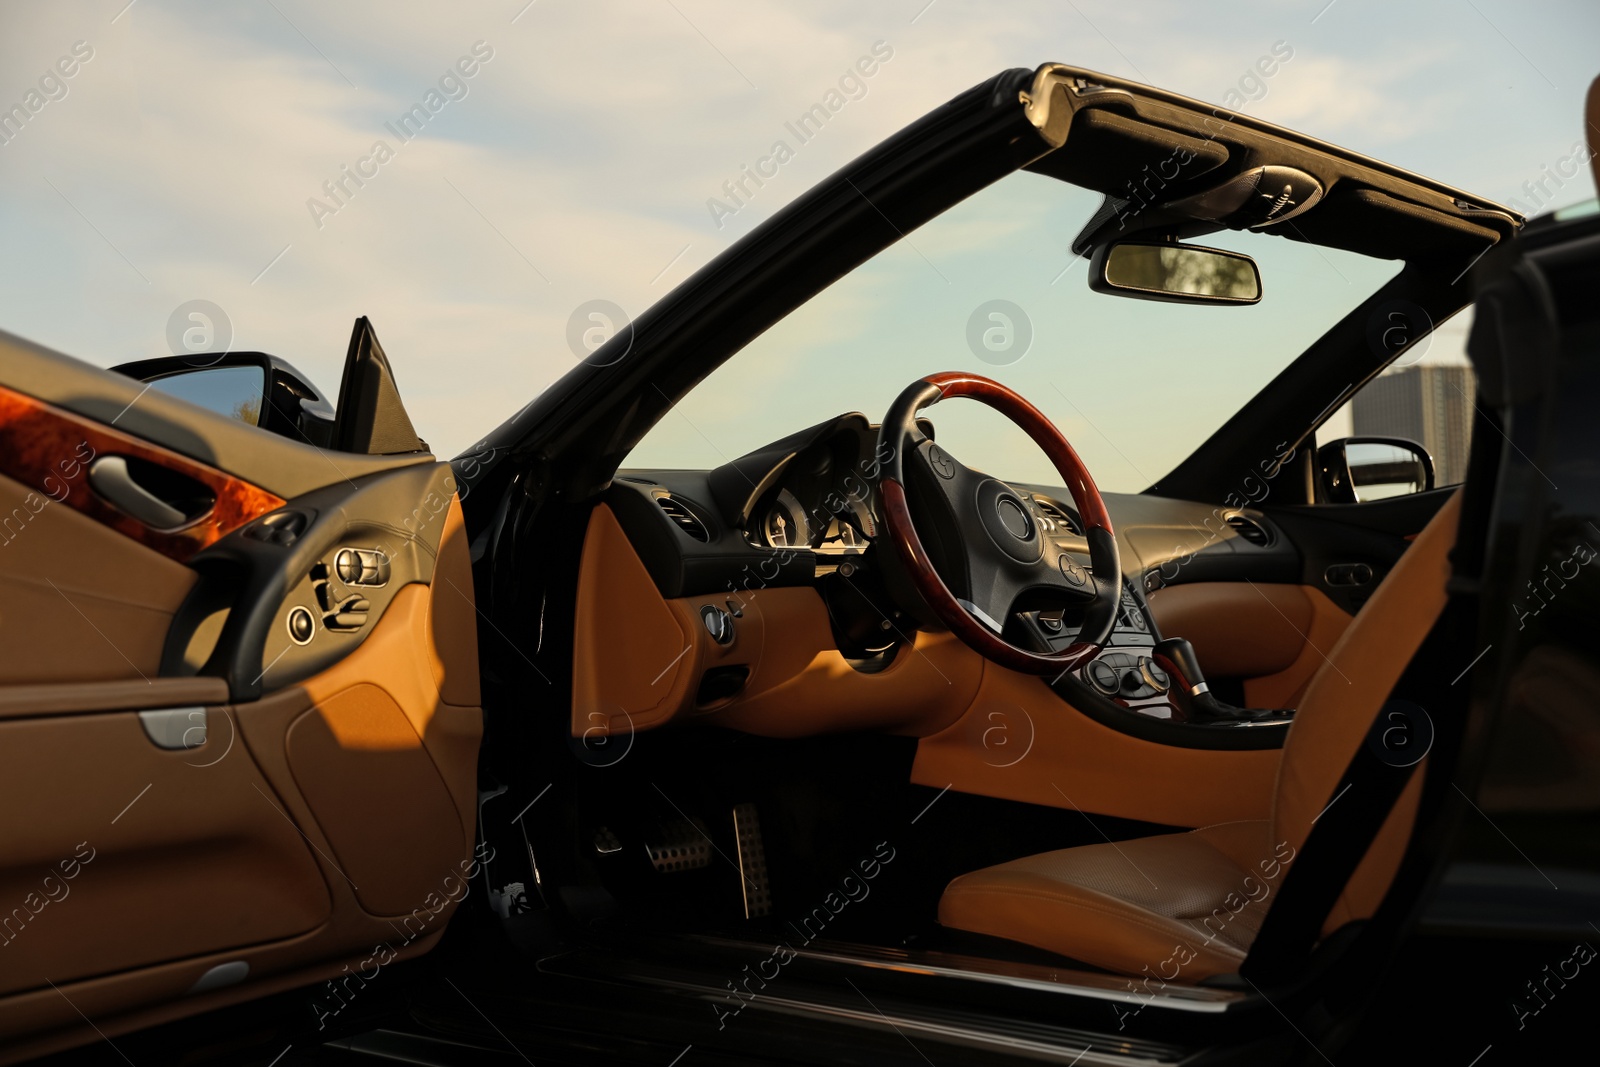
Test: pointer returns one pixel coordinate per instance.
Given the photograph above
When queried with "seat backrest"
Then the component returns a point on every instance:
(1343, 699)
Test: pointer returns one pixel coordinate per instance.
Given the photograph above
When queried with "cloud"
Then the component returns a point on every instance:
(587, 147)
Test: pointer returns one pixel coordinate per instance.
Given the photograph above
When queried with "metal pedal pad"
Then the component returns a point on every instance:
(606, 842)
(684, 846)
(752, 862)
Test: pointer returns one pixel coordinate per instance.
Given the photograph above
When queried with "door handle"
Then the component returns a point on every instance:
(110, 478)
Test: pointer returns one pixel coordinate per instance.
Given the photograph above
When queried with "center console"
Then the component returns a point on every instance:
(1139, 671)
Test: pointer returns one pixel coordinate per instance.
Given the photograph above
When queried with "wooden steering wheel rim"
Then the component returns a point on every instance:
(897, 425)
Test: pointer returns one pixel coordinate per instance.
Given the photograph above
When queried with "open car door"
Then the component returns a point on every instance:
(239, 704)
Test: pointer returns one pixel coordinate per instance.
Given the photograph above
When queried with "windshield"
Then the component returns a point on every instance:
(991, 286)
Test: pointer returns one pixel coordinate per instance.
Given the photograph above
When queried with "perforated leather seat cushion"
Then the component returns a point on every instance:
(1176, 903)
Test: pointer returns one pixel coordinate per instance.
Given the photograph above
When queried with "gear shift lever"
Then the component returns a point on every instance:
(1176, 654)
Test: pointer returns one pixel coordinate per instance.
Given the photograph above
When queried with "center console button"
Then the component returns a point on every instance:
(718, 623)
(1104, 677)
(1154, 676)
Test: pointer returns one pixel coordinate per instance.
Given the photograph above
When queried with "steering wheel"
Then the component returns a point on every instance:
(990, 540)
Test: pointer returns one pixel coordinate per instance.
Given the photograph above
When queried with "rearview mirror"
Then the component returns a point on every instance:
(1166, 270)
(1356, 469)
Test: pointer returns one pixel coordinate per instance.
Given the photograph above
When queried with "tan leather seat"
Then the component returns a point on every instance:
(1186, 906)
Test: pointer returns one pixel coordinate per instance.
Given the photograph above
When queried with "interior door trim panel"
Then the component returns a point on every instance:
(248, 875)
(238, 854)
(81, 602)
(78, 698)
(50, 450)
(277, 464)
(275, 571)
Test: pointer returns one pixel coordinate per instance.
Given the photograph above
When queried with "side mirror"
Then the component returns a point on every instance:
(1166, 270)
(253, 387)
(1356, 469)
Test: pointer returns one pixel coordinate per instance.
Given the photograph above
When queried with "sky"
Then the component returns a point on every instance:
(582, 158)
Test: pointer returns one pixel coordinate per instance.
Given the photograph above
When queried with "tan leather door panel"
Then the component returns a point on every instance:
(79, 602)
(124, 854)
(147, 872)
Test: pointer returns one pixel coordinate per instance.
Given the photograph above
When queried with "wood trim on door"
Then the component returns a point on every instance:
(49, 450)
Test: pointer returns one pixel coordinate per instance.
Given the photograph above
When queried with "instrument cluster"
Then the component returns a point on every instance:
(824, 499)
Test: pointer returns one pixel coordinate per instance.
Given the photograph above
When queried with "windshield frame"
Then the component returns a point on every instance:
(577, 433)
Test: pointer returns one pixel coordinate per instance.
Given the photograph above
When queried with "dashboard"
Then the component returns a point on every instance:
(804, 511)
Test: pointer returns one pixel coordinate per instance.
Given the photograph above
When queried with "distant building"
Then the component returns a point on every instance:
(1428, 404)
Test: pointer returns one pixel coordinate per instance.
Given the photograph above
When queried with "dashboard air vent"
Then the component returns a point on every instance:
(1058, 515)
(1250, 530)
(686, 520)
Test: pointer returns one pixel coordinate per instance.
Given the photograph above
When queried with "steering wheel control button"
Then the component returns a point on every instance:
(718, 623)
(302, 625)
(1073, 571)
(1104, 677)
(940, 461)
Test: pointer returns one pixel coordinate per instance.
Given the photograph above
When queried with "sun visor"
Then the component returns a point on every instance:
(1129, 159)
(1376, 224)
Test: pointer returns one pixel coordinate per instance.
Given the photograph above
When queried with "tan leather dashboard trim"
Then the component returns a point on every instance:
(1238, 629)
(1272, 635)
(71, 698)
(1019, 741)
(802, 686)
(638, 659)
(1287, 688)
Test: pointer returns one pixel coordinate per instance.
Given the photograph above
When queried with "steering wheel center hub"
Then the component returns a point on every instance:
(1007, 521)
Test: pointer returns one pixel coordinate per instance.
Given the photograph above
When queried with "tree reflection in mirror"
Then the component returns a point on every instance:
(234, 391)
(1181, 272)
